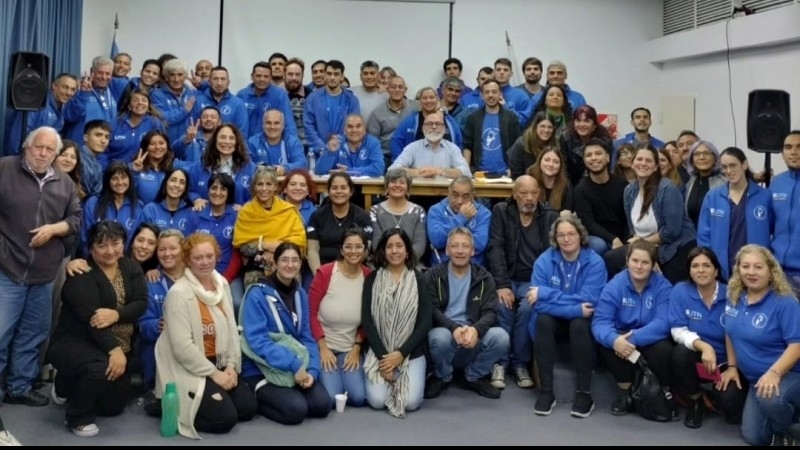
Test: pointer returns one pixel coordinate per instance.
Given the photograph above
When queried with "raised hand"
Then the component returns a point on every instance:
(189, 105)
(138, 162)
(191, 131)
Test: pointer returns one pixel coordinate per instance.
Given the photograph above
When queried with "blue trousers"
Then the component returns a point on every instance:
(477, 361)
(515, 321)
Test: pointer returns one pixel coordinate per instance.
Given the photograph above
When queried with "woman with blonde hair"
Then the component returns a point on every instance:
(762, 327)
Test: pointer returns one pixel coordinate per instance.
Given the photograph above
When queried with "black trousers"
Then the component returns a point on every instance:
(658, 356)
(550, 329)
(730, 402)
(89, 393)
(220, 410)
(291, 405)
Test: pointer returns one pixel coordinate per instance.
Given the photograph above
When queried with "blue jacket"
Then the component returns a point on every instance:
(51, 116)
(364, 161)
(785, 190)
(686, 309)
(518, 101)
(667, 207)
(183, 220)
(288, 153)
(259, 322)
(148, 323)
(91, 172)
(173, 111)
(192, 152)
(122, 216)
(320, 124)
(406, 133)
(557, 298)
(470, 102)
(221, 227)
(126, 139)
(441, 220)
(231, 108)
(714, 223)
(622, 309)
(148, 183)
(86, 106)
(256, 105)
(199, 176)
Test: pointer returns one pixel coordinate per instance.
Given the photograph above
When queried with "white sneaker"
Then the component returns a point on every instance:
(498, 376)
(523, 378)
(54, 396)
(89, 430)
(8, 440)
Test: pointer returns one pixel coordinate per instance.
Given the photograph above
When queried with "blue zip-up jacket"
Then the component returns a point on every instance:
(221, 227)
(183, 219)
(517, 100)
(126, 139)
(91, 172)
(687, 309)
(122, 216)
(406, 133)
(190, 153)
(622, 309)
(471, 101)
(785, 192)
(287, 153)
(199, 176)
(232, 109)
(307, 208)
(259, 321)
(173, 111)
(714, 223)
(442, 219)
(559, 298)
(119, 84)
(667, 207)
(148, 183)
(148, 324)
(366, 160)
(51, 116)
(256, 105)
(320, 124)
(86, 106)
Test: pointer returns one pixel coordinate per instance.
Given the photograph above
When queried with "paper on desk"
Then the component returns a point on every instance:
(361, 177)
(494, 180)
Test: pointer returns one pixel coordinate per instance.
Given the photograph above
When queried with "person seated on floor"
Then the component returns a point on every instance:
(335, 312)
(359, 155)
(459, 209)
(92, 343)
(432, 156)
(281, 357)
(762, 330)
(630, 321)
(199, 347)
(396, 314)
(465, 334)
(696, 321)
(566, 283)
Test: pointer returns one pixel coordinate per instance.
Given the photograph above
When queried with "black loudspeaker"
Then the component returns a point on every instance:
(768, 120)
(27, 87)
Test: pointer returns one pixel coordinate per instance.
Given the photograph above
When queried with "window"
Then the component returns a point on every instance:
(682, 15)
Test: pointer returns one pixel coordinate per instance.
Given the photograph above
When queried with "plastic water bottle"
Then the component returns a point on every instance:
(312, 162)
(170, 411)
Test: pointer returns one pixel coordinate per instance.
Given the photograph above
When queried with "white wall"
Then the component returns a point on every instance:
(694, 64)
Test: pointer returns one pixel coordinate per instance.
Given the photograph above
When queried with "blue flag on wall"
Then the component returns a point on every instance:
(114, 48)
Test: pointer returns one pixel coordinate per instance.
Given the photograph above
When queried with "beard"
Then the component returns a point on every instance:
(434, 136)
(292, 85)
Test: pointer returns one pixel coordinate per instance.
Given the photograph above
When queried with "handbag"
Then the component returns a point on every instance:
(649, 398)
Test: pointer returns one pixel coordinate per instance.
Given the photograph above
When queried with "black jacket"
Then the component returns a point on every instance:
(473, 129)
(481, 298)
(572, 149)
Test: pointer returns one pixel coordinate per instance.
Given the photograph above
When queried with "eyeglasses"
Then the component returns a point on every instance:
(703, 154)
(433, 124)
(562, 236)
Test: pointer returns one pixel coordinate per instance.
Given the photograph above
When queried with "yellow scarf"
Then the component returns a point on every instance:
(280, 223)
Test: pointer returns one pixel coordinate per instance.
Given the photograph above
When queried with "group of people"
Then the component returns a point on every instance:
(198, 213)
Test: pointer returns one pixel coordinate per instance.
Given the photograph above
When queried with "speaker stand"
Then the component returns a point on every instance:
(767, 168)
(23, 132)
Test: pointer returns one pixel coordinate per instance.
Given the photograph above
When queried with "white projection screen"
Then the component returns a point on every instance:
(411, 37)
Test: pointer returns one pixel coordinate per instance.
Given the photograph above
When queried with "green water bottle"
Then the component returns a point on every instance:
(170, 411)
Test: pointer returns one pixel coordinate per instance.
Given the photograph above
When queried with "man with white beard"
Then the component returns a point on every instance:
(432, 156)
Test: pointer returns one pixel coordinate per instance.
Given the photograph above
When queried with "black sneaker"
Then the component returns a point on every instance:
(434, 387)
(623, 404)
(782, 440)
(583, 406)
(544, 404)
(30, 398)
(482, 388)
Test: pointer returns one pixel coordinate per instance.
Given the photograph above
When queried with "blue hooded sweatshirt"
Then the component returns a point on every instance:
(256, 105)
(320, 122)
(785, 190)
(442, 219)
(221, 227)
(287, 153)
(366, 160)
(686, 309)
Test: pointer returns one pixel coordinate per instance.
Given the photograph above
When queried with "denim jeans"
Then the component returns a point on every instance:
(515, 322)
(340, 381)
(237, 294)
(377, 392)
(762, 417)
(599, 245)
(25, 317)
(477, 361)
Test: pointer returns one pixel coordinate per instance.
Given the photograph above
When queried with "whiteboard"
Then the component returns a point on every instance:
(411, 37)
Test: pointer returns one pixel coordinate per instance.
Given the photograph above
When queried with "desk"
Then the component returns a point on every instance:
(434, 187)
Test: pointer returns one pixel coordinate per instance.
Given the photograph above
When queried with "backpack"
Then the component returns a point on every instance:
(649, 398)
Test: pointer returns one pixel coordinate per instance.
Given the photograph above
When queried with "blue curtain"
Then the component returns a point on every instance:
(52, 27)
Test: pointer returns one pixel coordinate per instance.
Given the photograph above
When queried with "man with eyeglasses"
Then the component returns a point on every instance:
(432, 156)
(489, 132)
(465, 334)
(458, 209)
(387, 116)
(39, 210)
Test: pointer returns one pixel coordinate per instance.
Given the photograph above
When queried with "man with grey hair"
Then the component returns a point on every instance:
(432, 156)
(39, 207)
(458, 209)
(94, 100)
(388, 115)
(368, 94)
(557, 76)
(452, 88)
(175, 100)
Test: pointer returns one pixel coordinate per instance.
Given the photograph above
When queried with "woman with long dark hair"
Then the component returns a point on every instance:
(527, 148)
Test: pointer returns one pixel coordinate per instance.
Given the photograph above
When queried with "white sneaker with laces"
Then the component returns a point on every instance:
(498, 376)
(8, 440)
(523, 378)
(89, 430)
(54, 396)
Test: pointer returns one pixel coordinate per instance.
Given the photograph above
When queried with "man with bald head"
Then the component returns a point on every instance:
(518, 234)
(38, 208)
